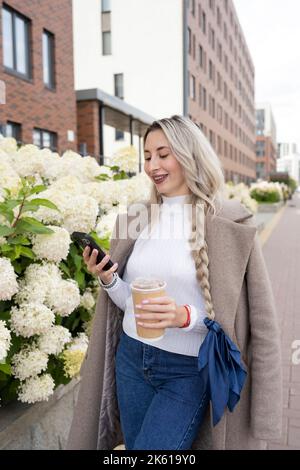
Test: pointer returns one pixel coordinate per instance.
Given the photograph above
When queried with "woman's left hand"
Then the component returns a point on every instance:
(162, 309)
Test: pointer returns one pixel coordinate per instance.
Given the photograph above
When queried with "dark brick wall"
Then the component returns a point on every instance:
(30, 103)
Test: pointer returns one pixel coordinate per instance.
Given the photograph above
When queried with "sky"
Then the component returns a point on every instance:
(272, 32)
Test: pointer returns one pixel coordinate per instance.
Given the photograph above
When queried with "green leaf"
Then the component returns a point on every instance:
(17, 252)
(12, 203)
(65, 268)
(8, 191)
(28, 207)
(31, 225)
(44, 202)
(4, 230)
(17, 266)
(78, 262)
(38, 189)
(5, 315)
(25, 251)
(9, 215)
(6, 368)
(79, 278)
(5, 248)
(18, 240)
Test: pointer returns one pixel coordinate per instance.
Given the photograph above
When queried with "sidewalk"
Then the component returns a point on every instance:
(282, 255)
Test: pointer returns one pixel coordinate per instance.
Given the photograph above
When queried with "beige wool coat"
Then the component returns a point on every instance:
(244, 306)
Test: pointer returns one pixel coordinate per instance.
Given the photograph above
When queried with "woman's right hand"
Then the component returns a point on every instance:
(97, 269)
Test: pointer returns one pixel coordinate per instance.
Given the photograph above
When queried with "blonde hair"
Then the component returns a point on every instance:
(204, 178)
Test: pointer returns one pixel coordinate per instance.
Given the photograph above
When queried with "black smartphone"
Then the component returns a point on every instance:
(83, 240)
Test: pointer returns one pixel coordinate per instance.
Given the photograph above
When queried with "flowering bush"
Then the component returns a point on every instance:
(266, 192)
(127, 159)
(241, 192)
(47, 297)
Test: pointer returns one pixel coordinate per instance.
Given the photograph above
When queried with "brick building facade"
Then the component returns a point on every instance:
(36, 65)
(221, 85)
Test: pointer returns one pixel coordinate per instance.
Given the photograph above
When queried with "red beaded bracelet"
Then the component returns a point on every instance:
(188, 318)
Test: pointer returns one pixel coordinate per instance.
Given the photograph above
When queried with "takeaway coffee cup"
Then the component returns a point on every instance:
(144, 288)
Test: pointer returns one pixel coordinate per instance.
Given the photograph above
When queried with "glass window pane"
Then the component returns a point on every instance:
(7, 38)
(46, 139)
(46, 65)
(21, 45)
(106, 42)
(9, 130)
(106, 5)
(36, 137)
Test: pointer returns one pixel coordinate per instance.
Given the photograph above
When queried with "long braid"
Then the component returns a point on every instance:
(199, 251)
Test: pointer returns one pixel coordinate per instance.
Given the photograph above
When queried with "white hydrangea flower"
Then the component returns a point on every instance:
(36, 389)
(69, 184)
(5, 340)
(29, 161)
(59, 198)
(80, 342)
(45, 273)
(54, 246)
(80, 214)
(54, 340)
(9, 178)
(31, 319)
(8, 145)
(38, 280)
(64, 297)
(8, 280)
(103, 192)
(87, 300)
(29, 362)
(126, 158)
(106, 224)
(31, 292)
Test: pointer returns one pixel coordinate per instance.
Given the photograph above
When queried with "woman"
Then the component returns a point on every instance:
(146, 394)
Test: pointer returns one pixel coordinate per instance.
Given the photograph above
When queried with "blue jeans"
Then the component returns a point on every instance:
(161, 396)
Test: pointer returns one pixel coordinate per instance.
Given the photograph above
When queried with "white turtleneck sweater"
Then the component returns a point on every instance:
(166, 255)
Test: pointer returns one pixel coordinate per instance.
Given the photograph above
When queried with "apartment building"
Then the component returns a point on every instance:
(266, 145)
(286, 148)
(221, 85)
(167, 57)
(37, 72)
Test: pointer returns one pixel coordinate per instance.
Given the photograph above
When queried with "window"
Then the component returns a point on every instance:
(48, 59)
(219, 18)
(106, 6)
(106, 43)
(192, 2)
(189, 40)
(204, 22)
(44, 139)
(13, 130)
(119, 85)
(219, 82)
(210, 70)
(260, 148)
(194, 46)
(119, 135)
(16, 54)
(201, 56)
(192, 87)
(260, 121)
(203, 98)
(211, 37)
